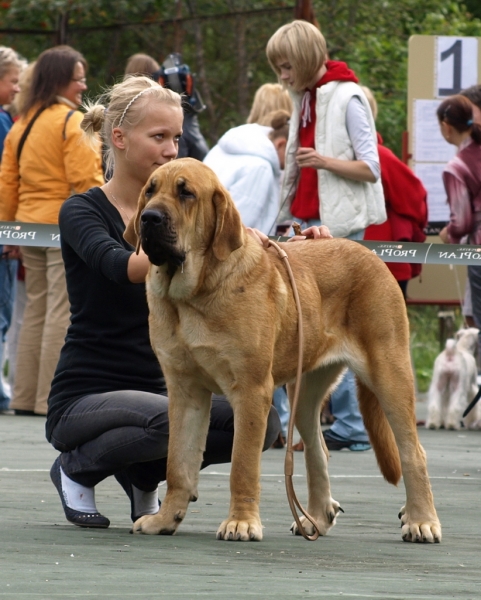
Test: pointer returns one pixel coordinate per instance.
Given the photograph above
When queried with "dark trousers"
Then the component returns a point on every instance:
(103, 434)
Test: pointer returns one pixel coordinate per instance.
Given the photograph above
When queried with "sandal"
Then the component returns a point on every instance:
(76, 517)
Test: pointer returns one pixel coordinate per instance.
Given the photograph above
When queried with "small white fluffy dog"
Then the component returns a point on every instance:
(454, 385)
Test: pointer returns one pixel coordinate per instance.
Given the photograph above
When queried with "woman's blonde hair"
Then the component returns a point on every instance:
(303, 46)
(279, 122)
(124, 105)
(25, 81)
(371, 100)
(9, 59)
(269, 97)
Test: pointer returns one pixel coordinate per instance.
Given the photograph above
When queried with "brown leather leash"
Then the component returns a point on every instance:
(289, 461)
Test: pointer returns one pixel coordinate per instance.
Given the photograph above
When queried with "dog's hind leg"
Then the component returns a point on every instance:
(321, 506)
(189, 409)
(388, 410)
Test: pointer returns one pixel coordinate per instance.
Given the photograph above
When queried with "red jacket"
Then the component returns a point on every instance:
(406, 207)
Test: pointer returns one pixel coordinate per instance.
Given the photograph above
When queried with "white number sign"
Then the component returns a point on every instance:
(456, 65)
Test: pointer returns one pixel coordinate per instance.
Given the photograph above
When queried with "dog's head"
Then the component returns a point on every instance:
(467, 339)
(184, 207)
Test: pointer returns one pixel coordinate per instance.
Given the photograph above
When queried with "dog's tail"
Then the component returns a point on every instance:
(450, 347)
(380, 433)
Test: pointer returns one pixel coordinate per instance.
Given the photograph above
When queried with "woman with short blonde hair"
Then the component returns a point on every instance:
(332, 168)
(302, 45)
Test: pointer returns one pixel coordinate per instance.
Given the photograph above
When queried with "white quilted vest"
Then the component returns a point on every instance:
(346, 206)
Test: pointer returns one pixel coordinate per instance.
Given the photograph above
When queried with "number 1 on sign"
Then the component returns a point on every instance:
(457, 65)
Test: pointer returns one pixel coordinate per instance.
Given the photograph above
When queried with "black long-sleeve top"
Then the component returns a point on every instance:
(107, 346)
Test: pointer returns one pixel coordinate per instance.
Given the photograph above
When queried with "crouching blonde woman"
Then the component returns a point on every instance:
(108, 406)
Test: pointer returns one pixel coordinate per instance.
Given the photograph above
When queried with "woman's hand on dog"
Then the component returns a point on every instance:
(311, 233)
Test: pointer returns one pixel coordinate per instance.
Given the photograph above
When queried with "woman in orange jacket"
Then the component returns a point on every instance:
(45, 160)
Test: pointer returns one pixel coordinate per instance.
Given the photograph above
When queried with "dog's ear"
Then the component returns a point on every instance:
(229, 233)
(132, 232)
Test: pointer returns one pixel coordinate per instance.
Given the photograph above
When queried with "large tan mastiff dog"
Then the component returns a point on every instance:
(223, 319)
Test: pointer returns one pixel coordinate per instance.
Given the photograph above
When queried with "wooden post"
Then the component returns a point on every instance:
(304, 11)
(178, 29)
(62, 23)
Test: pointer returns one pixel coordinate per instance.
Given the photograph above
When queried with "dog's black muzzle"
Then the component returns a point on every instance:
(159, 238)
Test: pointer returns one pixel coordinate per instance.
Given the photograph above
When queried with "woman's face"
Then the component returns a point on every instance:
(287, 74)
(154, 141)
(445, 130)
(9, 85)
(73, 91)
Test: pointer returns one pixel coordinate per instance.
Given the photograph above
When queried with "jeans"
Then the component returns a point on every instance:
(8, 280)
(281, 402)
(103, 434)
(345, 407)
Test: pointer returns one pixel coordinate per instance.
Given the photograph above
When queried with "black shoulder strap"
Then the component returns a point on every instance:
(26, 132)
(64, 132)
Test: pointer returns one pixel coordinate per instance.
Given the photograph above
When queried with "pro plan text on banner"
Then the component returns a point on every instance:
(29, 234)
(36, 234)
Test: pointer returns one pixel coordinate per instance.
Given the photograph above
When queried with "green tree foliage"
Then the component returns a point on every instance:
(224, 42)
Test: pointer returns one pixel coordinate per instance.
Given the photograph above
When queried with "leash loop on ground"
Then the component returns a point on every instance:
(289, 461)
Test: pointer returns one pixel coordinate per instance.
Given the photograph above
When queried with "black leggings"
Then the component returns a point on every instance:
(103, 434)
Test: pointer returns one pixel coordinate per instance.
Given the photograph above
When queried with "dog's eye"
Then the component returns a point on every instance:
(184, 192)
(151, 189)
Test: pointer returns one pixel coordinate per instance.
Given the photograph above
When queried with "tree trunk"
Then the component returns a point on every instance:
(304, 11)
(201, 73)
(62, 22)
(242, 79)
(178, 28)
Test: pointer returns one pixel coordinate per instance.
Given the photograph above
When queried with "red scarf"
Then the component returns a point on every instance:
(305, 205)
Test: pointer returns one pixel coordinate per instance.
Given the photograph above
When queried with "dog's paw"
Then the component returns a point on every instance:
(157, 524)
(248, 530)
(325, 519)
(426, 530)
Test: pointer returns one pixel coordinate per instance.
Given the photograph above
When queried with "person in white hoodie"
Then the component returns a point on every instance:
(248, 161)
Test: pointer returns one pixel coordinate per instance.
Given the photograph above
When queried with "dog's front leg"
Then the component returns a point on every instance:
(251, 410)
(189, 410)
